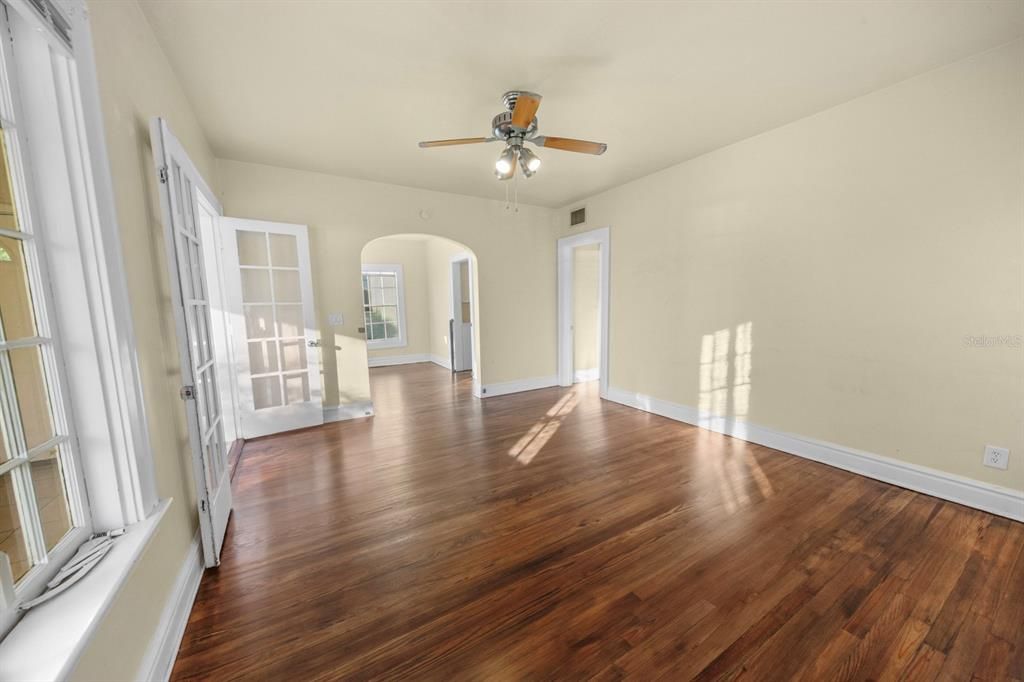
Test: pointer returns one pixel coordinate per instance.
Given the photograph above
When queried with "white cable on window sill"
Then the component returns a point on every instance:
(83, 561)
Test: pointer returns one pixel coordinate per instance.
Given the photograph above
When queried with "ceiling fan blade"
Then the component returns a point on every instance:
(570, 145)
(527, 104)
(455, 141)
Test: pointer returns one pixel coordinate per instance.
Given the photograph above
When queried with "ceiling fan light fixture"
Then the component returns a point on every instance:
(528, 161)
(506, 163)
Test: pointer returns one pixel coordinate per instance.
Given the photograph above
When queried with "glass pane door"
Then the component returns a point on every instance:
(274, 327)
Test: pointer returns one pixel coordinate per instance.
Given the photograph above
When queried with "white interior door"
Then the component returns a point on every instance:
(181, 186)
(270, 286)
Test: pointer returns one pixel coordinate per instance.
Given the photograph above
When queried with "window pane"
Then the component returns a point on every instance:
(262, 356)
(389, 296)
(33, 401)
(293, 355)
(289, 321)
(51, 497)
(376, 296)
(377, 331)
(266, 391)
(198, 290)
(259, 321)
(286, 286)
(16, 317)
(12, 538)
(252, 248)
(296, 388)
(256, 286)
(8, 216)
(284, 251)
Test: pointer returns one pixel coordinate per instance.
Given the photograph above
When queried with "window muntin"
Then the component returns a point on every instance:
(382, 306)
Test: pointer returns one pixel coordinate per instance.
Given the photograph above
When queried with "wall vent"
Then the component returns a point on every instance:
(578, 217)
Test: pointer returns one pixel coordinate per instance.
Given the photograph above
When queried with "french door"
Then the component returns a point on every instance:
(181, 185)
(276, 341)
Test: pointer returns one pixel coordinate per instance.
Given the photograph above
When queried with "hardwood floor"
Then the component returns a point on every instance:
(553, 535)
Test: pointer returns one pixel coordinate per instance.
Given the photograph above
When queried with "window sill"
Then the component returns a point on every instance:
(374, 345)
(47, 642)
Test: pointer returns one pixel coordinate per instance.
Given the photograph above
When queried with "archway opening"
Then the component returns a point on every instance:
(420, 304)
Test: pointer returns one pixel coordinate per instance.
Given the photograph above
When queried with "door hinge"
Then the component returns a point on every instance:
(163, 175)
(187, 392)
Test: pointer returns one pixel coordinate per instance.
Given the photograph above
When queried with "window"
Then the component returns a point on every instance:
(61, 270)
(383, 306)
(43, 515)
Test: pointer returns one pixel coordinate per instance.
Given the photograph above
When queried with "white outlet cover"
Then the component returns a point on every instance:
(335, 319)
(997, 458)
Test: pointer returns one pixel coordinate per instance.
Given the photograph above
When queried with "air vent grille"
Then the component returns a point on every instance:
(578, 217)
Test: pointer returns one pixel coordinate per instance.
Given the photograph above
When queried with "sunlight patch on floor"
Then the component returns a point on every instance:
(538, 435)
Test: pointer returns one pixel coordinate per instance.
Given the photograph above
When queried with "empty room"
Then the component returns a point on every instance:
(500, 340)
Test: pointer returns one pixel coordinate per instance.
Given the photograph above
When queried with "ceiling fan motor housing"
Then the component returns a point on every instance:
(502, 125)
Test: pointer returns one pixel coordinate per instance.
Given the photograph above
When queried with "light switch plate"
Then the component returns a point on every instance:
(335, 319)
(997, 458)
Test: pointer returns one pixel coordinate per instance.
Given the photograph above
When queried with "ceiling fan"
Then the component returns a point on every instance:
(514, 127)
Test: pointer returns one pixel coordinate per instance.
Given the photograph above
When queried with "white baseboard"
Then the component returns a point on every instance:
(163, 648)
(517, 386)
(591, 374)
(959, 489)
(441, 360)
(340, 413)
(389, 360)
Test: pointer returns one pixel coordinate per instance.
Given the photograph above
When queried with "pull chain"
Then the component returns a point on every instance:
(515, 189)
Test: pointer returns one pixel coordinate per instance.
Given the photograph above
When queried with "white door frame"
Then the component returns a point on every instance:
(455, 312)
(602, 237)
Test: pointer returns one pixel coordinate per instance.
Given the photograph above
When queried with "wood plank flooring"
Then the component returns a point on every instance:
(551, 535)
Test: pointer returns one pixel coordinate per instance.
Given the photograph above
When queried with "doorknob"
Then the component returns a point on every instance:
(313, 343)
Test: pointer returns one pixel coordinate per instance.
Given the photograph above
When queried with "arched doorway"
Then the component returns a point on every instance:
(420, 303)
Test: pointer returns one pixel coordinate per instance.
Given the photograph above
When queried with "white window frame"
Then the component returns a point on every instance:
(13, 123)
(386, 269)
(77, 237)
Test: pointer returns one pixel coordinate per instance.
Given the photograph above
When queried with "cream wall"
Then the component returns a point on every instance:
(586, 271)
(439, 273)
(136, 83)
(515, 254)
(411, 254)
(862, 245)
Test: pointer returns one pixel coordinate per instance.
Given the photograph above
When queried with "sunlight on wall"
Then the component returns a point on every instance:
(741, 370)
(534, 440)
(715, 388)
(724, 402)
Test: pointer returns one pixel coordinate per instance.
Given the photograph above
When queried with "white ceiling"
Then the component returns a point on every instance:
(350, 87)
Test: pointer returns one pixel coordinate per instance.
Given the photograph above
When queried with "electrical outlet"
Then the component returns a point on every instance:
(997, 458)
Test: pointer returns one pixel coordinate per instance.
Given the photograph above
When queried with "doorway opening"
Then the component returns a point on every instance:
(461, 319)
(586, 291)
(583, 303)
